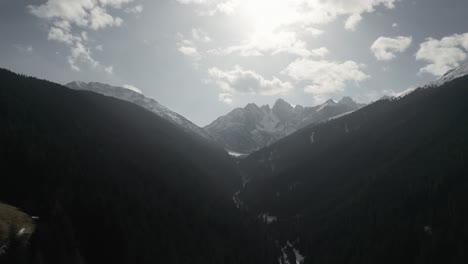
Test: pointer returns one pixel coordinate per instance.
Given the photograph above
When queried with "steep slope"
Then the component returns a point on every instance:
(114, 183)
(247, 129)
(385, 184)
(141, 100)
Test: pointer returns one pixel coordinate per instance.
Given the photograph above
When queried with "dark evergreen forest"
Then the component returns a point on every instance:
(113, 183)
(385, 184)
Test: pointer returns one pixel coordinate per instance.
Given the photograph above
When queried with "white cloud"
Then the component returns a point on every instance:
(60, 35)
(24, 49)
(109, 69)
(132, 87)
(273, 44)
(304, 12)
(189, 51)
(352, 21)
(83, 13)
(225, 98)
(115, 3)
(188, 46)
(69, 20)
(395, 25)
(99, 18)
(384, 48)
(200, 35)
(79, 53)
(240, 81)
(279, 26)
(444, 54)
(192, 1)
(313, 31)
(134, 10)
(323, 77)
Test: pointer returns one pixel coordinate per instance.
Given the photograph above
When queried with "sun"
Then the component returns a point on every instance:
(266, 16)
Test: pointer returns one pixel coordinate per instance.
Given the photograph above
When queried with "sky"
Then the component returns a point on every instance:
(203, 58)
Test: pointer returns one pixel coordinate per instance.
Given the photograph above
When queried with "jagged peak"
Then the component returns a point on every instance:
(282, 106)
(251, 107)
(281, 101)
(346, 99)
(265, 108)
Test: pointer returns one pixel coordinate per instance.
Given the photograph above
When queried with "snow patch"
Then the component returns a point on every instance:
(284, 259)
(451, 75)
(237, 154)
(312, 137)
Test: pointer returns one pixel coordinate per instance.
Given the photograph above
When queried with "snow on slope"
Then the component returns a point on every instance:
(247, 129)
(451, 75)
(141, 100)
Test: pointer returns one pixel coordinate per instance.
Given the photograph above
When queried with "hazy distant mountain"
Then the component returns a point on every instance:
(141, 100)
(247, 129)
(385, 184)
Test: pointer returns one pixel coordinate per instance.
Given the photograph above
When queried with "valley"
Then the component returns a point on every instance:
(386, 175)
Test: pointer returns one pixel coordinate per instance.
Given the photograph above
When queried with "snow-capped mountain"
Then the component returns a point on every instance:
(452, 74)
(247, 129)
(141, 100)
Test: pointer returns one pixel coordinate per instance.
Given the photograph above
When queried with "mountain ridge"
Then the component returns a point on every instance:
(141, 100)
(388, 180)
(253, 127)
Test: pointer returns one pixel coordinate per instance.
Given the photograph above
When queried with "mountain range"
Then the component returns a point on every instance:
(108, 181)
(243, 130)
(251, 128)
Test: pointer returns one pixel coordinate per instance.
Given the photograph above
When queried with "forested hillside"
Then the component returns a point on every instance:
(113, 183)
(385, 184)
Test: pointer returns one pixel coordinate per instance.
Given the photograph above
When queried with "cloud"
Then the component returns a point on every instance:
(24, 49)
(133, 88)
(279, 26)
(225, 98)
(189, 51)
(444, 54)
(83, 13)
(284, 42)
(352, 21)
(297, 12)
(240, 81)
(79, 53)
(60, 35)
(384, 48)
(192, 1)
(99, 18)
(323, 78)
(69, 20)
(134, 10)
(115, 3)
(200, 35)
(188, 46)
(109, 69)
